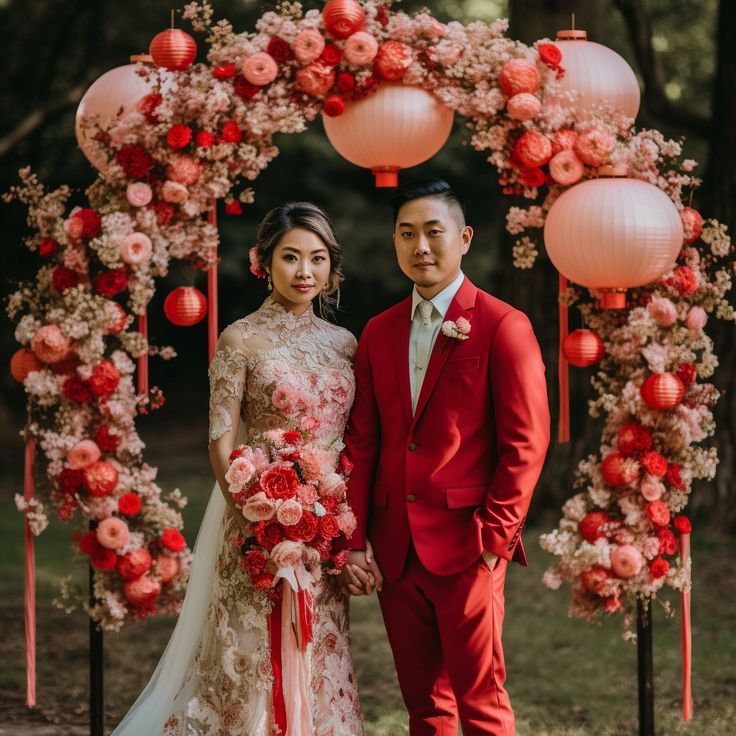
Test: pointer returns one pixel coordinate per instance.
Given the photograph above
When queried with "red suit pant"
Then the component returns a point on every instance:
(445, 634)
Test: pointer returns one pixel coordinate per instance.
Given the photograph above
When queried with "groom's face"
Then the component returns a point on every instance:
(431, 237)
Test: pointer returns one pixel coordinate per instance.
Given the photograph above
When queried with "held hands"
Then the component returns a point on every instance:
(361, 575)
(490, 559)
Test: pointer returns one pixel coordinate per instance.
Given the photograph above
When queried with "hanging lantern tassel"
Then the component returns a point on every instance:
(687, 694)
(212, 326)
(143, 360)
(563, 369)
(29, 598)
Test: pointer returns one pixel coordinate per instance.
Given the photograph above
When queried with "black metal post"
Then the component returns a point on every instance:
(96, 671)
(646, 669)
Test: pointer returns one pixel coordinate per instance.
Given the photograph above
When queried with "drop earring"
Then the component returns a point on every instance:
(270, 283)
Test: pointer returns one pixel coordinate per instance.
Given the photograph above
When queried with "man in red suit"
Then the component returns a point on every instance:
(448, 434)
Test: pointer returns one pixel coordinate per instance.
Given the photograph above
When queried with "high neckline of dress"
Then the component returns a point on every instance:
(281, 316)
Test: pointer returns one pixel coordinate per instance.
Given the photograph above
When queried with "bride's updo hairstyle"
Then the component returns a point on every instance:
(307, 216)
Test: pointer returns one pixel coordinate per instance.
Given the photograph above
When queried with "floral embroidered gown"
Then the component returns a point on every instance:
(229, 686)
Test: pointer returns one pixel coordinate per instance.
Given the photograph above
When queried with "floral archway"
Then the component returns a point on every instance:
(200, 130)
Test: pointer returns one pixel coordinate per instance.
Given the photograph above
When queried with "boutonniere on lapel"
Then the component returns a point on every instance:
(457, 330)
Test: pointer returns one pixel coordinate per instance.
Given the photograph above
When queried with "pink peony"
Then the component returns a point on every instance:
(259, 507)
(183, 169)
(315, 79)
(136, 248)
(287, 554)
(696, 318)
(563, 140)
(113, 533)
(517, 76)
(134, 564)
(308, 45)
(174, 192)
(347, 522)
(289, 512)
(165, 568)
(361, 48)
(524, 106)
(533, 149)
(83, 454)
(626, 561)
(651, 489)
(143, 591)
(241, 471)
(139, 194)
(392, 60)
(100, 478)
(260, 69)
(565, 167)
(594, 145)
(49, 344)
(662, 311)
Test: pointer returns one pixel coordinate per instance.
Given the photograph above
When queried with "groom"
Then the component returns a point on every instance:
(448, 435)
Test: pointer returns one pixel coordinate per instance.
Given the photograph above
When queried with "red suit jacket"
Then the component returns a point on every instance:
(456, 477)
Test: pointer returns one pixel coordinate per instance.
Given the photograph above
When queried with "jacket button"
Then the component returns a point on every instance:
(413, 446)
(410, 498)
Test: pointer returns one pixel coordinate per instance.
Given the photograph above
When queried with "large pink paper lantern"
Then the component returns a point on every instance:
(397, 127)
(613, 233)
(597, 73)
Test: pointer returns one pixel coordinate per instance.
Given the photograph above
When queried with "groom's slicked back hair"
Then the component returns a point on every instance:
(434, 188)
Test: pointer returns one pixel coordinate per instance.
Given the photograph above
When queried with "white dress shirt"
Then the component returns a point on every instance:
(423, 336)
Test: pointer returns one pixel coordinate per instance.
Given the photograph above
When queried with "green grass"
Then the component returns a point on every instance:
(565, 678)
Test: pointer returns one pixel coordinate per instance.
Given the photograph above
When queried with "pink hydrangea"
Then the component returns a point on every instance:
(183, 169)
(260, 69)
(139, 193)
(696, 318)
(287, 554)
(524, 106)
(360, 48)
(49, 344)
(565, 167)
(289, 512)
(594, 145)
(517, 76)
(626, 561)
(260, 507)
(174, 192)
(83, 454)
(113, 533)
(662, 311)
(136, 248)
(308, 45)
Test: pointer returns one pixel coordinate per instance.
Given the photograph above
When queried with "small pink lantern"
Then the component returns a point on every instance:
(613, 233)
(598, 74)
(396, 127)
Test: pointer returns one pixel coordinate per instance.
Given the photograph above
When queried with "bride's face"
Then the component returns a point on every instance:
(300, 269)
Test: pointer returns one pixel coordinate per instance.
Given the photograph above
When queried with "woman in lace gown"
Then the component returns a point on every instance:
(215, 677)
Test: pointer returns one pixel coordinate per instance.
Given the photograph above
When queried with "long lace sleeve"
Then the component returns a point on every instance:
(227, 380)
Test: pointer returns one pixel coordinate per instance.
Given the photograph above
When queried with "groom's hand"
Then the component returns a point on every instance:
(361, 574)
(490, 559)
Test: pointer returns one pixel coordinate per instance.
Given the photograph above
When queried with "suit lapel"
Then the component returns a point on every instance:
(463, 302)
(401, 355)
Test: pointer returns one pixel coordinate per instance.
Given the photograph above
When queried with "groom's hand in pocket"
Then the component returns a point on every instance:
(490, 559)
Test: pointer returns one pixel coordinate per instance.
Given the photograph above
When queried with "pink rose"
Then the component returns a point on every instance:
(316, 79)
(260, 69)
(696, 318)
(361, 48)
(308, 45)
(651, 489)
(136, 248)
(113, 533)
(49, 344)
(662, 311)
(519, 75)
(139, 194)
(626, 561)
(463, 326)
(287, 554)
(83, 454)
(74, 227)
(183, 169)
(259, 507)
(565, 167)
(289, 512)
(174, 192)
(307, 494)
(333, 485)
(347, 522)
(523, 106)
(563, 140)
(240, 472)
(594, 145)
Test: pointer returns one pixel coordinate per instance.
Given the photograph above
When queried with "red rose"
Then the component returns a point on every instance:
(134, 564)
(687, 373)
(329, 503)
(344, 465)
(550, 54)
(106, 441)
(88, 543)
(254, 562)
(328, 527)
(100, 478)
(658, 567)
(334, 105)
(104, 379)
(268, 533)
(654, 464)
(304, 530)
(91, 222)
(345, 82)
(684, 280)
(682, 524)
(633, 440)
(234, 208)
(164, 212)
(245, 89)
(264, 581)
(231, 133)
(148, 104)
(533, 177)
(135, 161)
(667, 542)
(280, 482)
(590, 526)
(75, 389)
(129, 504)
(279, 49)
(64, 278)
(103, 559)
(292, 437)
(112, 282)
(204, 139)
(674, 477)
(173, 540)
(331, 55)
(179, 136)
(224, 71)
(658, 513)
(47, 247)
(594, 578)
(70, 480)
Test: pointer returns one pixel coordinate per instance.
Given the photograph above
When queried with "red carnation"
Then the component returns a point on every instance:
(129, 504)
(148, 104)
(64, 278)
(328, 527)
(667, 542)
(330, 503)
(234, 208)
(179, 136)
(254, 562)
(550, 55)
(334, 105)
(204, 139)
(135, 161)
(633, 440)
(75, 389)
(103, 559)
(245, 89)
(344, 464)
(47, 247)
(304, 530)
(91, 222)
(685, 280)
(224, 71)
(104, 379)
(112, 282)
(324, 547)
(658, 513)
(345, 82)
(88, 543)
(268, 533)
(164, 212)
(533, 177)
(70, 480)
(590, 526)
(687, 373)
(173, 540)
(280, 482)
(106, 441)
(331, 55)
(658, 567)
(654, 464)
(292, 437)
(231, 133)
(279, 49)
(682, 524)
(674, 477)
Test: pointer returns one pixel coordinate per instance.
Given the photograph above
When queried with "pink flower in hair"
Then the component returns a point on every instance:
(255, 264)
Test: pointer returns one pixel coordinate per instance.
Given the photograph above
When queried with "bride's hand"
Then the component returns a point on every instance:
(374, 569)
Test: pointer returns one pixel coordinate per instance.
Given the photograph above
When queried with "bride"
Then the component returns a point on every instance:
(220, 674)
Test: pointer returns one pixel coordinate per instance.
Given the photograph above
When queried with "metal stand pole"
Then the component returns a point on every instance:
(646, 669)
(96, 671)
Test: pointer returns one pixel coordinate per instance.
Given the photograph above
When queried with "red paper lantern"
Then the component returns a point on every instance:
(173, 49)
(583, 348)
(590, 526)
(615, 470)
(185, 306)
(22, 363)
(662, 391)
(342, 18)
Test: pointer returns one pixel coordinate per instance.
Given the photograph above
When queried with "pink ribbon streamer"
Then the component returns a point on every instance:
(563, 371)
(686, 633)
(29, 597)
(143, 360)
(212, 326)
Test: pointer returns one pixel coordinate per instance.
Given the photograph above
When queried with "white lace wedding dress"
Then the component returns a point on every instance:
(215, 677)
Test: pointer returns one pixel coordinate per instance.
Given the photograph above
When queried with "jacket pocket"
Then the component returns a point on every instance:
(461, 364)
(459, 497)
